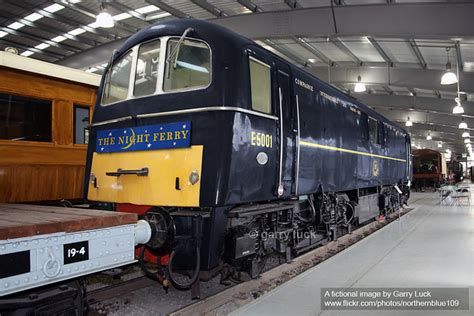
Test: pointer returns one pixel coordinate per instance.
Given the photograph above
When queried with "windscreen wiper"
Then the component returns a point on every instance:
(175, 52)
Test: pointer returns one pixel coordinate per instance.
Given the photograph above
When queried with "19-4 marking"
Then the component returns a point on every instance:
(76, 252)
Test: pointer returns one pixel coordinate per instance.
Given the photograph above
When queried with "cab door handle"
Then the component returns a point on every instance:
(143, 172)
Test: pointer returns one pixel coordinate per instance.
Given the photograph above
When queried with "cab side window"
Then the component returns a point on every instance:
(260, 86)
(373, 130)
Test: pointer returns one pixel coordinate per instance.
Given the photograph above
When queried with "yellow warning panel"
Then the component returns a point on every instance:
(170, 174)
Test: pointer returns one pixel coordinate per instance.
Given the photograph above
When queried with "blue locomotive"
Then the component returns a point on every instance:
(233, 153)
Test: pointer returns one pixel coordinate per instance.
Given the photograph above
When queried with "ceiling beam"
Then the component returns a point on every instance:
(40, 39)
(419, 20)
(458, 55)
(347, 51)
(122, 26)
(72, 23)
(165, 7)
(293, 4)
(380, 51)
(250, 5)
(13, 43)
(286, 53)
(43, 26)
(203, 4)
(409, 103)
(417, 52)
(400, 77)
(123, 8)
(93, 56)
(312, 49)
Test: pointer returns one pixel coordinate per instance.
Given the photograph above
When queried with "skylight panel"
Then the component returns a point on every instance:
(27, 53)
(42, 46)
(77, 31)
(54, 8)
(121, 16)
(33, 17)
(58, 39)
(16, 25)
(147, 9)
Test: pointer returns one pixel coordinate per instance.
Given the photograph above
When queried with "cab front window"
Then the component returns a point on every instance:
(144, 71)
(188, 65)
(118, 79)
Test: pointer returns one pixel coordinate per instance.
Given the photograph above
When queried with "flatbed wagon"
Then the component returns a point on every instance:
(44, 245)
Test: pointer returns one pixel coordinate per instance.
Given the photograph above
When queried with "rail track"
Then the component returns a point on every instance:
(235, 296)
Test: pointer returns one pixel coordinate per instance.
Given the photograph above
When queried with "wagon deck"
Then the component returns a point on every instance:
(40, 245)
(22, 220)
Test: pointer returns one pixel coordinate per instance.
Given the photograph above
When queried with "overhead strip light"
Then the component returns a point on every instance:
(2, 34)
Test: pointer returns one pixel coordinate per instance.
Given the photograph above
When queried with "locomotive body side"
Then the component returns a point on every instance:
(260, 140)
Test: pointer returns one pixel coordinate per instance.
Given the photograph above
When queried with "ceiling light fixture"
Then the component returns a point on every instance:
(359, 87)
(465, 134)
(467, 141)
(440, 145)
(428, 137)
(458, 109)
(409, 123)
(104, 19)
(463, 124)
(449, 77)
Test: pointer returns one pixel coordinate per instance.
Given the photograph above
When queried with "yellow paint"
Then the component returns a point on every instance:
(158, 188)
(350, 151)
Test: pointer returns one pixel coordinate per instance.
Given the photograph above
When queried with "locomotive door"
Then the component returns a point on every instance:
(288, 132)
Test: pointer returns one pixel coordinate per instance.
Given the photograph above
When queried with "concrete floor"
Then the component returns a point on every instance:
(432, 246)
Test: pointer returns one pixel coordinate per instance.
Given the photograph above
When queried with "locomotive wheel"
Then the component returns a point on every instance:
(163, 231)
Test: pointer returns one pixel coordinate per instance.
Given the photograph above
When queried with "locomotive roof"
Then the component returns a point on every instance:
(214, 33)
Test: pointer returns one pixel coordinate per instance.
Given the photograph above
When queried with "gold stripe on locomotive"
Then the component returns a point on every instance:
(160, 187)
(350, 151)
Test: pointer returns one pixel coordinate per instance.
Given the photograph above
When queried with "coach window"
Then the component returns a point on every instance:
(118, 79)
(24, 118)
(81, 124)
(260, 85)
(146, 73)
(188, 66)
(373, 130)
